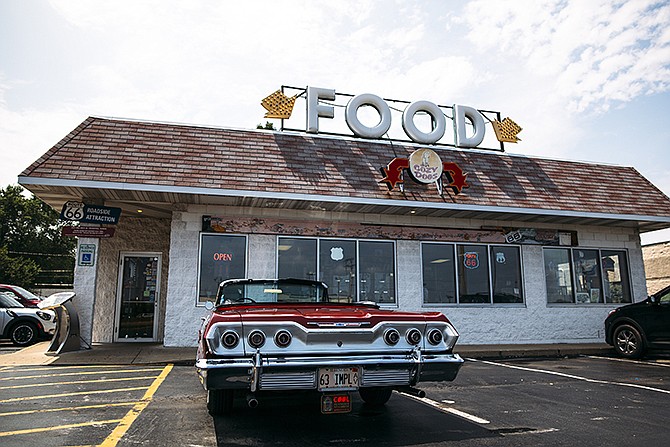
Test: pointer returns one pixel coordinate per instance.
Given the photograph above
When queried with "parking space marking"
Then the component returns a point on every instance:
(77, 382)
(572, 376)
(445, 409)
(81, 407)
(134, 412)
(79, 393)
(659, 362)
(81, 373)
(58, 427)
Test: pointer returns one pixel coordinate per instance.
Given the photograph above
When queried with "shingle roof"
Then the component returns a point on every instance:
(183, 156)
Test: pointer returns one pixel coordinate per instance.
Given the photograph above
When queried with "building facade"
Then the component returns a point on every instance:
(512, 249)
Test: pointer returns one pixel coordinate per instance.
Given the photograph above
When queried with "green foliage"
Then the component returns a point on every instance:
(30, 234)
(268, 126)
(18, 271)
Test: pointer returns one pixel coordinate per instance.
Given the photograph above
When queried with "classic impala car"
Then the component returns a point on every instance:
(285, 335)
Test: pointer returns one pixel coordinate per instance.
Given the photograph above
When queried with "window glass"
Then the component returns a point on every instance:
(280, 291)
(377, 271)
(664, 298)
(558, 275)
(337, 268)
(587, 275)
(221, 257)
(506, 274)
(615, 276)
(297, 258)
(439, 273)
(473, 274)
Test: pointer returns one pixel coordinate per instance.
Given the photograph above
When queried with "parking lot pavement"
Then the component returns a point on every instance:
(586, 400)
(74, 405)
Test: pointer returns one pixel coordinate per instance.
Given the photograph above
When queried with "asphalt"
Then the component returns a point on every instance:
(155, 353)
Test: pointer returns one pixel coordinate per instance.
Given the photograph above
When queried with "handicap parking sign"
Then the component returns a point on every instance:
(87, 254)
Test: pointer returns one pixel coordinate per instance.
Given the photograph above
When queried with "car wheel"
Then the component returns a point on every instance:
(23, 333)
(375, 396)
(219, 402)
(628, 342)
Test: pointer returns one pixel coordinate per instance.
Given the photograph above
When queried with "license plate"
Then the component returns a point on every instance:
(339, 379)
(335, 403)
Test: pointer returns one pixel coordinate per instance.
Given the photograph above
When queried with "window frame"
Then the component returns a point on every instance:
(457, 269)
(394, 304)
(199, 303)
(573, 277)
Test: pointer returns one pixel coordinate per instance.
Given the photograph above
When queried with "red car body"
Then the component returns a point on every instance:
(285, 335)
(21, 295)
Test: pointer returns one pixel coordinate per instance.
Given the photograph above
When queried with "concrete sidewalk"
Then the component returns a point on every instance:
(155, 353)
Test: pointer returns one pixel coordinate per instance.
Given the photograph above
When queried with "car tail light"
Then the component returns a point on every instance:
(434, 337)
(256, 339)
(391, 337)
(230, 339)
(413, 336)
(283, 338)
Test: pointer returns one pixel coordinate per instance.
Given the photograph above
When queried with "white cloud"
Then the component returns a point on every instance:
(553, 66)
(594, 54)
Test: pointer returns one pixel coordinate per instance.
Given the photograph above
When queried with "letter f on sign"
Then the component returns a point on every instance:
(315, 110)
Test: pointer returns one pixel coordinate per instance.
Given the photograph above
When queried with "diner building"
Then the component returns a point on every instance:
(513, 249)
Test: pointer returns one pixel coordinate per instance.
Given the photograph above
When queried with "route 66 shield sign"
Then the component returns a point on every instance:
(471, 259)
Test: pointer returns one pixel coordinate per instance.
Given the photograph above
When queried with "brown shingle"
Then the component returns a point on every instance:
(149, 153)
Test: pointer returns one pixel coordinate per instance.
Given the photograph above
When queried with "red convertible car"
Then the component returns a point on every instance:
(266, 336)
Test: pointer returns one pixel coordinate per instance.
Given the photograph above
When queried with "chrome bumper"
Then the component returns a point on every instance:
(300, 373)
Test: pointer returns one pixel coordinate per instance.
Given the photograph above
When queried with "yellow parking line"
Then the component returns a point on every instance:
(77, 382)
(84, 407)
(81, 373)
(134, 412)
(51, 368)
(81, 393)
(58, 427)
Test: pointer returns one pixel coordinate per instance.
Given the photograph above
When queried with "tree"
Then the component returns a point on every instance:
(268, 126)
(30, 234)
(18, 271)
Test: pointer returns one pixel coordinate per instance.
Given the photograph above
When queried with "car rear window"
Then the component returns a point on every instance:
(272, 292)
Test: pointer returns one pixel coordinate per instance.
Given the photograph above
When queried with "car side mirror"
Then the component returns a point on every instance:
(209, 305)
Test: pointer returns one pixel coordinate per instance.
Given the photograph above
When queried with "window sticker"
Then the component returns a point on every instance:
(471, 260)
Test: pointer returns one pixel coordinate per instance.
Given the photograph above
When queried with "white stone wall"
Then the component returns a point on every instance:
(532, 322)
(132, 235)
(657, 265)
(84, 289)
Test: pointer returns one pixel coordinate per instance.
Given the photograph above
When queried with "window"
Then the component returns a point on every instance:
(506, 274)
(377, 271)
(297, 258)
(337, 268)
(221, 257)
(558, 275)
(439, 273)
(471, 274)
(353, 270)
(586, 276)
(615, 276)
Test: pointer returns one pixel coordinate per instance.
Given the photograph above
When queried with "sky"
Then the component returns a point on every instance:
(586, 80)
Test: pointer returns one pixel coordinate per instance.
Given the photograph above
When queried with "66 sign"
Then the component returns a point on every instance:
(471, 260)
(72, 211)
(96, 214)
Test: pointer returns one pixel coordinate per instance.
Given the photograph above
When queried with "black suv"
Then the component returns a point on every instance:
(635, 328)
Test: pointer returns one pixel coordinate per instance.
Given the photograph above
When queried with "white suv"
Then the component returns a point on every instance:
(24, 325)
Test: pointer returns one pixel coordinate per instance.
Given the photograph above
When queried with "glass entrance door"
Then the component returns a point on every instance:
(137, 298)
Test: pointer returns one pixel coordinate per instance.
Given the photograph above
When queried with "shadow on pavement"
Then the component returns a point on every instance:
(291, 420)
